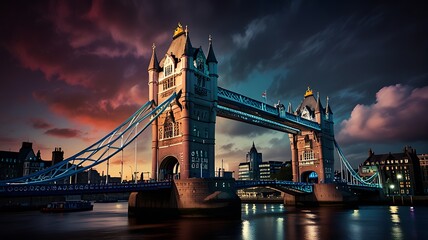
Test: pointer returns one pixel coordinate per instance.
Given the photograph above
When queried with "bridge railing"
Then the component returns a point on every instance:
(71, 189)
(295, 186)
(260, 106)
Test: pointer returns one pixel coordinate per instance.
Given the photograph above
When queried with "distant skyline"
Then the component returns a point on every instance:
(71, 71)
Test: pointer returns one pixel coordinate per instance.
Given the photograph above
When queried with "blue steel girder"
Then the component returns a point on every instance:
(230, 100)
(253, 119)
(100, 151)
(297, 187)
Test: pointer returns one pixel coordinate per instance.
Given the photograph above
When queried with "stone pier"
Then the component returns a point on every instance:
(323, 194)
(213, 197)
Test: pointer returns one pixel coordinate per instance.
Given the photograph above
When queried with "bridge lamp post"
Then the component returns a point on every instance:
(136, 131)
(391, 188)
(136, 178)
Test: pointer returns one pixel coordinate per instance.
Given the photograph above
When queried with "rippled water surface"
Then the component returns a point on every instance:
(258, 221)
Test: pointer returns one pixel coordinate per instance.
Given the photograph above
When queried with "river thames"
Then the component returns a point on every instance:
(258, 221)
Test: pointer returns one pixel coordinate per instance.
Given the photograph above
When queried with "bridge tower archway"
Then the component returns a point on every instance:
(309, 177)
(169, 169)
(187, 128)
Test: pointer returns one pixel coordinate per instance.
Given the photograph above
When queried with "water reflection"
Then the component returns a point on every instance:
(258, 221)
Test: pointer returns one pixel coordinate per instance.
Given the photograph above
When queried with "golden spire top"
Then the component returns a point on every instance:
(178, 30)
(309, 92)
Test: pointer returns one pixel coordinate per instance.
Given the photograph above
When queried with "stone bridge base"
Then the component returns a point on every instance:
(323, 194)
(210, 197)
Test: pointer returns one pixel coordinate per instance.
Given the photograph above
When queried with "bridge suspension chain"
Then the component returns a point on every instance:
(366, 182)
(102, 150)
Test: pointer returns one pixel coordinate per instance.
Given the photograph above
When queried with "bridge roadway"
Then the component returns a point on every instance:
(244, 109)
(78, 189)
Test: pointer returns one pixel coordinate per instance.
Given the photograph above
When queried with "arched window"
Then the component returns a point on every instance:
(168, 67)
(168, 130)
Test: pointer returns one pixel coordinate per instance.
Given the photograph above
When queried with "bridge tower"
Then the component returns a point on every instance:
(312, 152)
(183, 137)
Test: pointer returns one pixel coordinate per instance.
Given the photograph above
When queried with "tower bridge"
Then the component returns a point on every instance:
(184, 102)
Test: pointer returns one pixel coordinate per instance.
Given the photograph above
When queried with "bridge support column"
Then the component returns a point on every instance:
(211, 197)
(294, 157)
(323, 194)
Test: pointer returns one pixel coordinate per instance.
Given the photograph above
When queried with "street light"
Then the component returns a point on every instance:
(391, 188)
(399, 176)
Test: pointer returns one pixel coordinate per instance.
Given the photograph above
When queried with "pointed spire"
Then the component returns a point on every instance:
(327, 108)
(253, 145)
(290, 108)
(188, 49)
(318, 107)
(211, 56)
(154, 64)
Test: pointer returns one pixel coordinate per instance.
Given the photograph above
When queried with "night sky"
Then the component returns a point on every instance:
(71, 71)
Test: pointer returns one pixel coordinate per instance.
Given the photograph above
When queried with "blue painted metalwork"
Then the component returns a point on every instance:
(280, 113)
(250, 118)
(363, 182)
(77, 189)
(100, 151)
(294, 186)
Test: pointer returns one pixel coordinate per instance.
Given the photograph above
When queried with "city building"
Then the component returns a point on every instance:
(250, 169)
(244, 171)
(25, 161)
(423, 161)
(269, 170)
(22, 163)
(400, 173)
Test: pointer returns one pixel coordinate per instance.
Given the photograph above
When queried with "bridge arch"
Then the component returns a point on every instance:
(309, 177)
(169, 168)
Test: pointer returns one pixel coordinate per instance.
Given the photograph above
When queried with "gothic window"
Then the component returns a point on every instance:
(199, 63)
(168, 69)
(168, 83)
(308, 155)
(176, 128)
(160, 133)
(168, 128)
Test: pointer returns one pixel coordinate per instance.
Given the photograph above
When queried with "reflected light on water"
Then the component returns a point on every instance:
(280, 228)
(356, 213)
(396, 230)
(311, 227)
(246, 233)
(393, 209)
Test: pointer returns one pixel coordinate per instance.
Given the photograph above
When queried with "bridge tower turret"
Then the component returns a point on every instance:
(313, 151)
(183, 136)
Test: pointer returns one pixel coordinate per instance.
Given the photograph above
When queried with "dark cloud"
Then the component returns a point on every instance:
(64, 133)
(227, 147)
(39, 123)
(86, 61)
